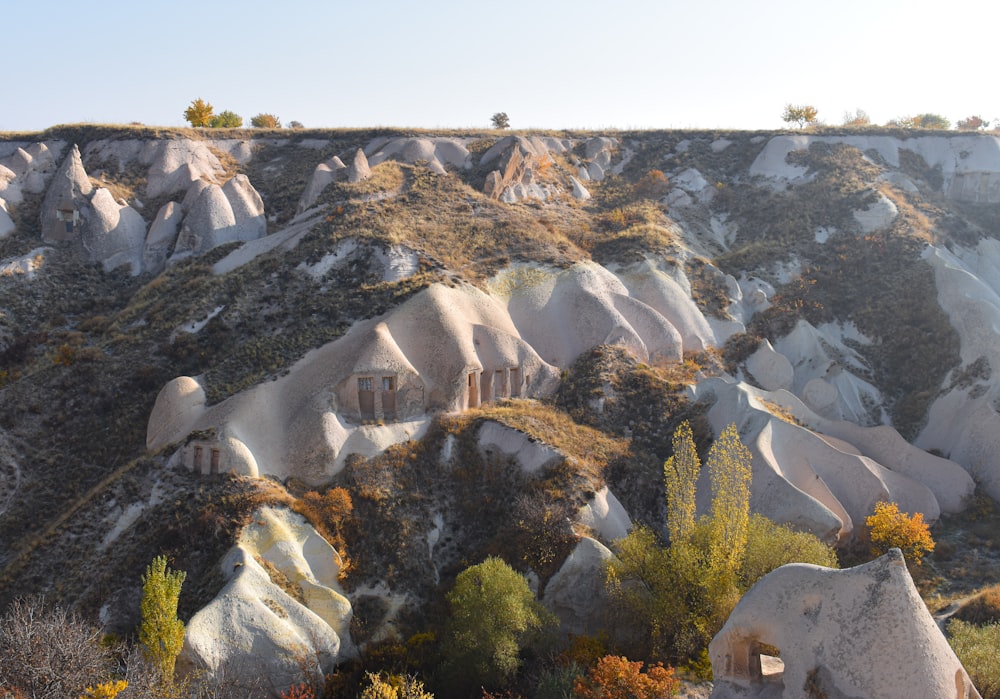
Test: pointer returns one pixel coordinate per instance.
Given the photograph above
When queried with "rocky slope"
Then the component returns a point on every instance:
(459, 328)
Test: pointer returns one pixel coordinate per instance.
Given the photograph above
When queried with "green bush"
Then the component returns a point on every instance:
(976, 647)
(771, 545)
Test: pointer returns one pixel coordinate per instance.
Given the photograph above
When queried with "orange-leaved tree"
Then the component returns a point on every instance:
(199, 113)
(617, 677)
(890, 528)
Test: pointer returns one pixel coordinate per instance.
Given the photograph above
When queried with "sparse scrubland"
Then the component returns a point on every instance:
(84, 352)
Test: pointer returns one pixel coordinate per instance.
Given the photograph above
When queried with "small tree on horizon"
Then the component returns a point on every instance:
(265, 121)
(500, 120)
(858, 119)
(199, 113)
(800, 115)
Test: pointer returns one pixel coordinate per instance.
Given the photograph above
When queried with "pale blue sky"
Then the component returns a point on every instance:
(448, 63)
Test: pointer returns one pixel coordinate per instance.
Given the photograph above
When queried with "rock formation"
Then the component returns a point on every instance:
(859, 632)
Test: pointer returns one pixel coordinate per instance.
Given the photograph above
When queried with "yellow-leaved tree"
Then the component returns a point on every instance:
(161, 633)
(199, 113)
(729, 470)
(680, 475)
(889, 528)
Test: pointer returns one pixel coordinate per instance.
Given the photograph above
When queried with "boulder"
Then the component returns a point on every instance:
(772, 370)
(359, 169)
(577, 594)
(859, 632)
(579, 191)
(114, 234)
(605, 515)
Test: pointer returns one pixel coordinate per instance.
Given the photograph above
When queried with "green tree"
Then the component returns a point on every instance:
(800, 114)
(500, 120)
(226, 120)
(932, 121)
(680, 475)
(493, 614)
(265, 121)
(199, 113)
(161, 633)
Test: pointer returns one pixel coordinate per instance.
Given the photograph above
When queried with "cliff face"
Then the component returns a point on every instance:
(299, 307)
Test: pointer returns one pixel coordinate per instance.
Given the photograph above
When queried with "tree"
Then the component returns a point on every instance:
(729, 470)
(921, 121)
(161, 633)
(889, 528)
(617, 677)
(858, 119)
(199, 113)
(265, 121)
(296, 125)
(493, 613)
(680, 474)
(500, 120)
(226, 120)
(800, 114)
(972, 123)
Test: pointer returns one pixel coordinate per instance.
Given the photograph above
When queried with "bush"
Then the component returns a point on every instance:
(265, 121)
(50, 652)
(617, 677)
(976, 647)
(771, 545)
(890, 528)
(984, 608)
(226, 120)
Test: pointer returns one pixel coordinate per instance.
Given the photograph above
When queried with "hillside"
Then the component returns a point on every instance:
(475, 335)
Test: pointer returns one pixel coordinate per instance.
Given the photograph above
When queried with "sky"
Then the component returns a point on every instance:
(626, 64)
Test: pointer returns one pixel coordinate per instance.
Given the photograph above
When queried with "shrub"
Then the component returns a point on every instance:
(972, 123)
(976, 647)
(226, 120)
(771, 545)
(265, 121)
(617, 677)
(858, 119)
(394, 687)
(890, 528)
(199, 113)
(105, 690)
(983, 608)
(652, 185)
(558, 682)
(50, 652)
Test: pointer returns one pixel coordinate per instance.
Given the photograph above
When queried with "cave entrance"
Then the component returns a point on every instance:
(389, 397)
(515, 382)
(473, 391)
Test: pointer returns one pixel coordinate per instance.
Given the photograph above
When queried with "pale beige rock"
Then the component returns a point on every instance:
(577, 593)
(162, 236)
(70, 186)
(606, 516)
(114, 233)
(359, 169)
(531, 455)
(859, 632)
(6, 224)
(178, 405)
(253, 628)
(772, 370)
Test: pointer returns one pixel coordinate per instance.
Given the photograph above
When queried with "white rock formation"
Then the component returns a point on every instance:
(359, 169)
(531, 455)
(772, 370)
(880, 214)
(174, 164)
(325, 173)
(162, 237)
(6, 224)
(605, 515)
(827, 483)
(435, 152)
(577, 593)
(860, 632)
(70, 186)
(219, 215)
(963, 423)
(114, 233)
(254, 628)
(969, 164)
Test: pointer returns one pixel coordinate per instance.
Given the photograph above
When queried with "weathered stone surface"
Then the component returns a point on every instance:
(70, 185)
(162, 236)
(579, 191)
(6, 224)
(233, 212)
(254, 629)
(358, 169)
(772, 370)
(248, 208)
(114, 234)
(577, 593)
(860, 632)
(322, 176)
